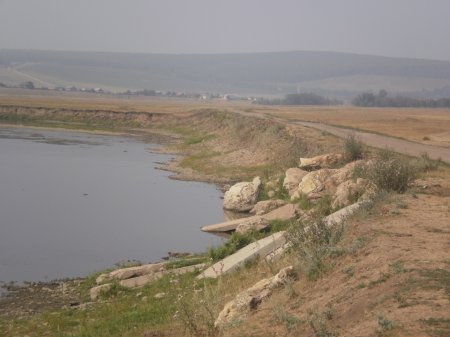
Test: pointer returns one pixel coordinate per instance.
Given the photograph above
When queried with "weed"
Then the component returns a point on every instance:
(394, 211)
(289, 288)
(315, 244)
(383, 278)
(425, 163)
(317, 322)
(384, 323)
(234, 243)
(304, 203)
(439, 326)
(198, 306)
(185, 262)
(397, 267)
(348, 271)
(289, 321)
(353, 148)
(279, 191)
(323, 206)
(391, 172)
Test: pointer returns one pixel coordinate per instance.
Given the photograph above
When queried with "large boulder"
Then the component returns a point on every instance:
(266, 206)
(324, 181)
(313, 183)
(351, 191)
(252, 297)
(241, 197)
(293, 177)
(322, 161)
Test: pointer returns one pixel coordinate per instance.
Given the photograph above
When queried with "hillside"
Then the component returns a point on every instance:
(335, 74)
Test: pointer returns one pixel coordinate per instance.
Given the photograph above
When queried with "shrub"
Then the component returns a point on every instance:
(390, 172)
(314, 242)
(353, 148)
(425, 163)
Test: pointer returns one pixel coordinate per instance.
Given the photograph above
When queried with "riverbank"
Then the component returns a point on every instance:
(196, 154)
(386, 276)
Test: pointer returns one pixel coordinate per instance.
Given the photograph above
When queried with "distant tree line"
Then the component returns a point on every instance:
(382, 99)
(300, 99)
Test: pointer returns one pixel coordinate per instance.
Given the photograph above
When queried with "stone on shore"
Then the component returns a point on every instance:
(126, 273)
(293, 177)
(341, 215)
(242, 196)
(250, 299)
(322, 161)
(254, 223)
(351, 191)
(266, 206)
(260, 248)
(95, 292)
(285, 212)
(141, 281)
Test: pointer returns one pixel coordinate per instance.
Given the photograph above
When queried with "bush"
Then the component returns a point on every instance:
(353, 148)
(315, 243)
(390, 172)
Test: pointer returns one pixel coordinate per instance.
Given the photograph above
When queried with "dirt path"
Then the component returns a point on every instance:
(380, 141)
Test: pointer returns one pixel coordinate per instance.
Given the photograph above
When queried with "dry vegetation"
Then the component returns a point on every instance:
(423, 125)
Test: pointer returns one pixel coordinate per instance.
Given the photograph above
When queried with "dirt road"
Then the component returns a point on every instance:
(381, 141)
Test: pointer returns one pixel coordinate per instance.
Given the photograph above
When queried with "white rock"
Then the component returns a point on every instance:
(321, 161)
(126, 273)
(241, 197)
(95, 292)
(266, 206)
(253, 223)
(293, 177)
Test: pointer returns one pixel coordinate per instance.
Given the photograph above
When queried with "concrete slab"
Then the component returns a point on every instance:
(285, 212)
(261, 248)
(141, 281)
(339, 216)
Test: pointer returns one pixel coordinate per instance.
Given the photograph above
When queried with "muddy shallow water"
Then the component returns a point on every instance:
(74, 203)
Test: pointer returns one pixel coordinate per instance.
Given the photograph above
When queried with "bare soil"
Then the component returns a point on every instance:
(398, 284)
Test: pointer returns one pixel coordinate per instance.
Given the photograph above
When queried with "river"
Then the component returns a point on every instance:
(74, 203)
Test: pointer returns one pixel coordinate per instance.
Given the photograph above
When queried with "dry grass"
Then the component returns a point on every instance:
(413, 124)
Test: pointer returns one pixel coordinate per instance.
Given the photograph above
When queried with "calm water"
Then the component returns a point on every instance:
(74, 203)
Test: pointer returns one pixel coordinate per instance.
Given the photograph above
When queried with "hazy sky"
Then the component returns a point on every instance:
(412, 28)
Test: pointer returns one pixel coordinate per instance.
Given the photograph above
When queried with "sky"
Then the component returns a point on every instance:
(400, 28)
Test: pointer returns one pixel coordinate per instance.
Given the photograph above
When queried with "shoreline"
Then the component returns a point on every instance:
(14, 286)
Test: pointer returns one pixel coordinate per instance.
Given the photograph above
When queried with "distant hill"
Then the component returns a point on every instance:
(338, 75)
